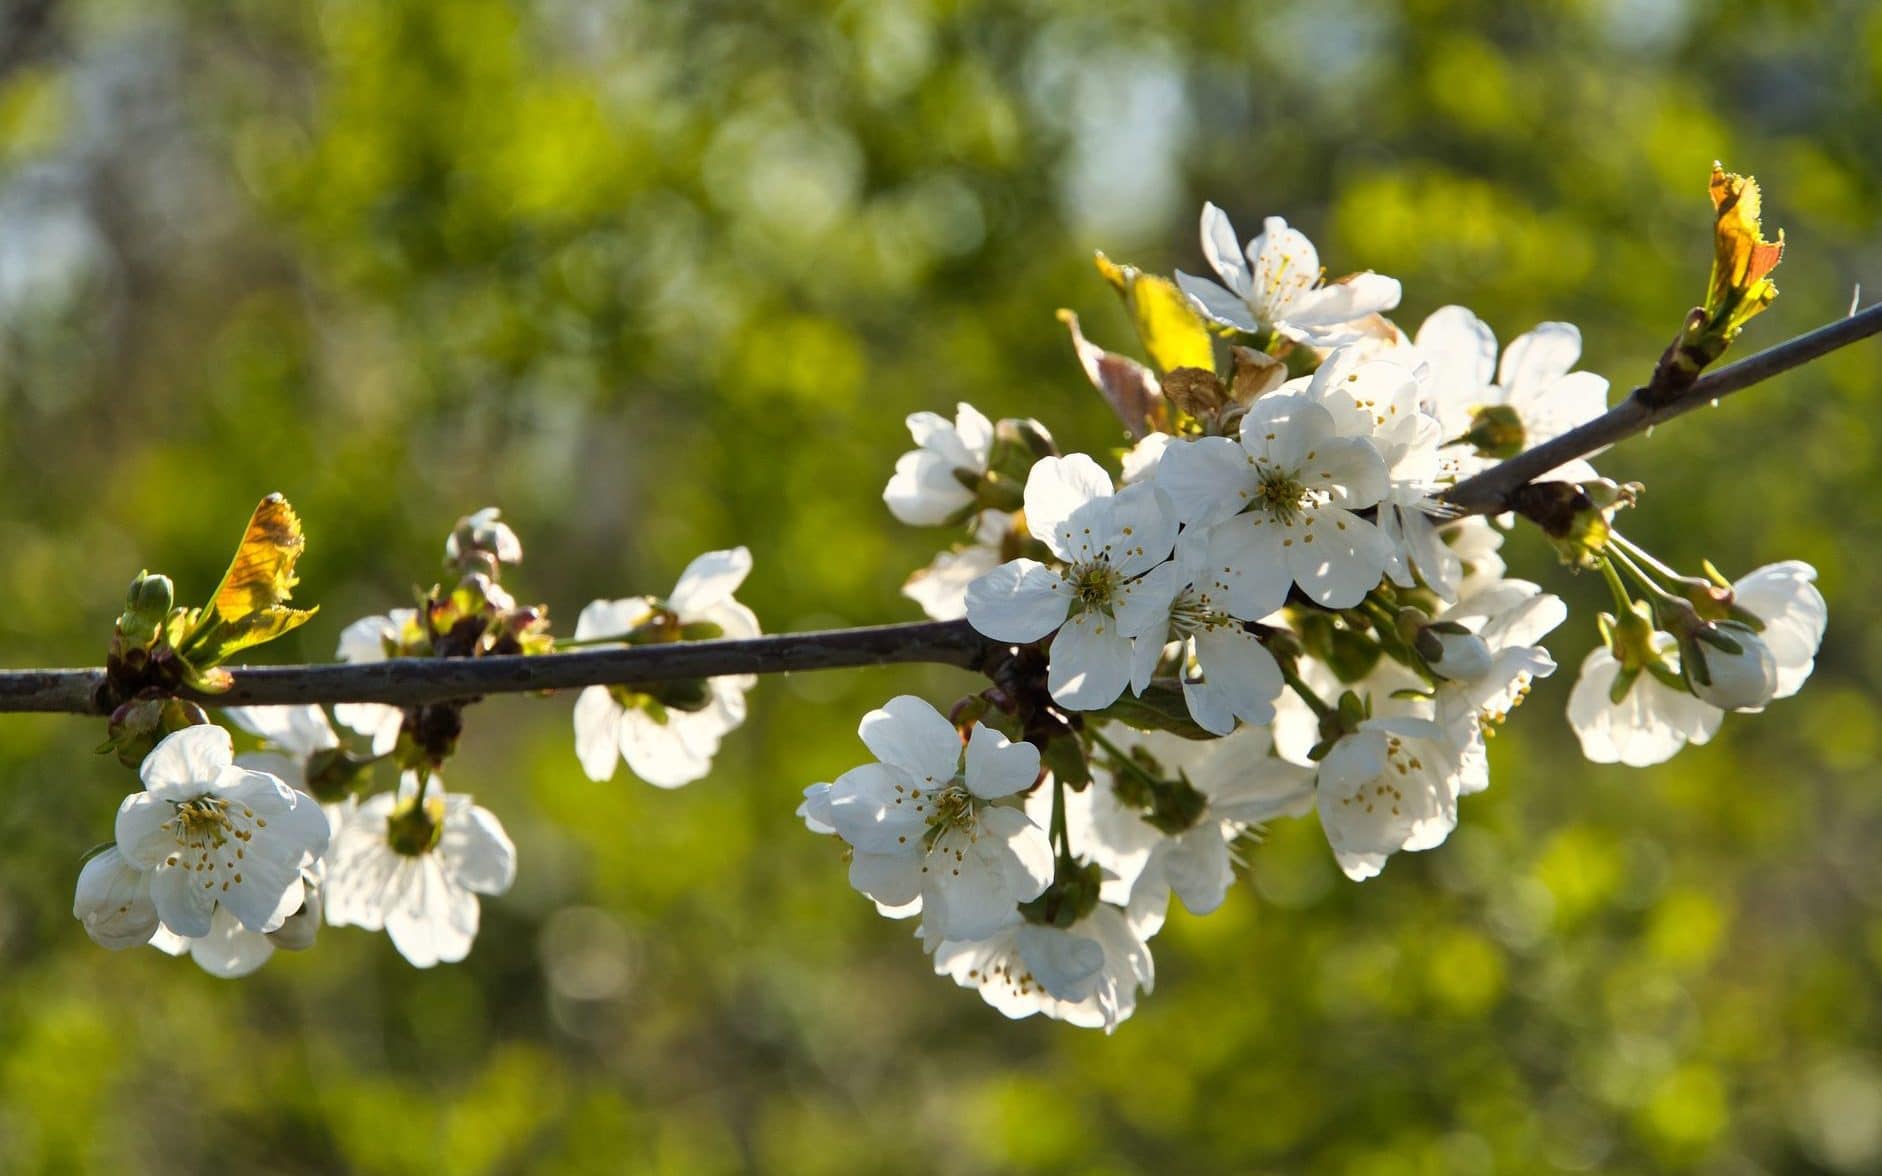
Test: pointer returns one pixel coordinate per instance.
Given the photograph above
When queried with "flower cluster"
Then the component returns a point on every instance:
(1271, 604)
(227, 857)
(1268, 609)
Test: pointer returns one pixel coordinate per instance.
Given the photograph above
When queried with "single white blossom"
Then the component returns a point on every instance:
(927, 833)
(1650, 722)
(1225, 671)
(1534, 381)
(412, 863)
(928, 487)
(1275, 285)
(1116, 583)
(217, 835)
(1391, 785)
(374, 639)
(666, 745)
(1087, 974)
(1784, 597)
(1279, 507)
(1744, 678)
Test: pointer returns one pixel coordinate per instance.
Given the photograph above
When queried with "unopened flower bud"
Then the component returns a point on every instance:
(481, 542)
(1729, 666)
(1496, 430)
(1454, 652)
(146, 607)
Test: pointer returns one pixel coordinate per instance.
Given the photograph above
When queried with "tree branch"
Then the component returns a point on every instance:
(411, 681)
(1490, 492)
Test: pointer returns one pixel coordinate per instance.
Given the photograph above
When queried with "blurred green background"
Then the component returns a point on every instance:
(660, 277)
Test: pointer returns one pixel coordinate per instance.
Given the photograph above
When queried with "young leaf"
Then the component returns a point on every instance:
(247, 608)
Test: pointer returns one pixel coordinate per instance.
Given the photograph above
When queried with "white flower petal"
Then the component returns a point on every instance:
(1019, 601)
(909, 733)
(1223, 250)
(1090, 662)
(113, 901)
(710, 579)
(475, 851)
(185, 763)
(597, 732)
(997, 767)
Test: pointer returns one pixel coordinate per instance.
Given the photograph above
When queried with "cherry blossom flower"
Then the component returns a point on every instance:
(374, 639)
(1391, 785)
(1115, 584)
(1651, 720)
(934, 484)
(113, 901)
(1784, 597)
(1087, 974)
(412, 863)
(216, 835)
(1279, 505)
(668, 740)
(1275, 285)
(928, 834)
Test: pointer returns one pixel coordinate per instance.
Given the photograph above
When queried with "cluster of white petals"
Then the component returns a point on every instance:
(1273, 574)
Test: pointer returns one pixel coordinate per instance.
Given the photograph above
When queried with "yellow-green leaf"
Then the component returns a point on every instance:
(249, 605)
(1742, 257)
(1173, 334)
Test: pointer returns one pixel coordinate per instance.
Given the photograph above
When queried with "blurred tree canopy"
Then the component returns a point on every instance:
(661, 277)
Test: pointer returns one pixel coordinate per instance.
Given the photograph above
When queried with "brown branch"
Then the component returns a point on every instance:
(1492, 490)
(411, 681)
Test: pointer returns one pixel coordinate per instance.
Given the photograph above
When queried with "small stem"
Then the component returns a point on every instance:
(1647, 558)
(1623, 599)
(1060, 836)
(1646, 582)
(1314, 702)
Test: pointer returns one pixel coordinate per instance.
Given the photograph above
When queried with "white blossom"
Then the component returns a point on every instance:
(1534, 380)
(374, 639)
(1087, 974)
(1391, 785)
(1225, 671)
(1234, 783)
(1116, 583)
(927, 832)
(1744, 678)
(1652, 720)
(927, 489)
(666, 745)
(1784, 597)
(1276, 285)
(217, 835)
(412, 863)
(1279, 507)
(484, 531)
